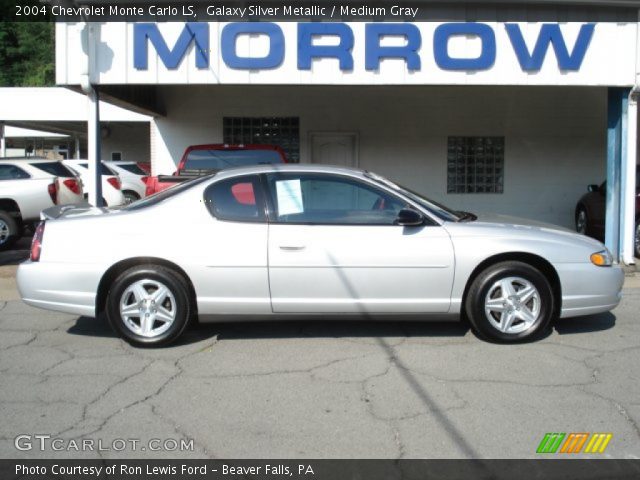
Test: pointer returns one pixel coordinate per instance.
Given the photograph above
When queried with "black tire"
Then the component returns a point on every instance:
(180, 301)
(10, 230)
(582, 223)
(130, 197)
(486, 281)
(636, 240)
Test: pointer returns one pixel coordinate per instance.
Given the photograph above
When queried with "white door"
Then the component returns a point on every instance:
(333, 247)
(228, 259)
(334, 149)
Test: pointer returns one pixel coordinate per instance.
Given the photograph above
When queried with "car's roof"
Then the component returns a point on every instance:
(288, 168)
(26, 160)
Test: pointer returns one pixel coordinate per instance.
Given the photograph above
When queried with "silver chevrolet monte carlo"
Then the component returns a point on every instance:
(307, 241)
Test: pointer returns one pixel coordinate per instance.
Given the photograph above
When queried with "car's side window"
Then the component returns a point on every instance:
(330, 199)
(11, 172)
(236, 199)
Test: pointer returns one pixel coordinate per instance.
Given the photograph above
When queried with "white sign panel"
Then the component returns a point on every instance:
(357, 53)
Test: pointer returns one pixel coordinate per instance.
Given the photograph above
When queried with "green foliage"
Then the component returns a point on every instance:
(27, 54)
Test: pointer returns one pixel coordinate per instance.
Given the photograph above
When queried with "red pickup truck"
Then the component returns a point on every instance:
(199, 160)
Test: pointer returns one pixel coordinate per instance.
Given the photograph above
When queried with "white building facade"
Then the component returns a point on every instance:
(510, 116)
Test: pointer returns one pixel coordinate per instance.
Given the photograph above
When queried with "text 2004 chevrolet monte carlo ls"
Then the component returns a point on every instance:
(293, 241)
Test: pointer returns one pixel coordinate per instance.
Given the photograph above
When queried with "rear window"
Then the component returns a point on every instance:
(104, 170)
(54, 168)
(133, 168)
(219, 159)
(164, 194)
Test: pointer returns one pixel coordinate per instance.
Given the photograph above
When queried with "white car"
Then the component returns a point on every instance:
(309, 241)
(111, 186)
(28, 186)
(132, 178)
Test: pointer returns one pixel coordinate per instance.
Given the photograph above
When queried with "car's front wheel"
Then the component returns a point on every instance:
(149, 305)
(509, 302)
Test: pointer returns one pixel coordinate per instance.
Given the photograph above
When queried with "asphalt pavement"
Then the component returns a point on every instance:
(322, 389)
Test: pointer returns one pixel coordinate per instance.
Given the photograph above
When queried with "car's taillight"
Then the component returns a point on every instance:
(114, 182)
(73, 185)
(144, 179)
(53, 193)
(36, 243)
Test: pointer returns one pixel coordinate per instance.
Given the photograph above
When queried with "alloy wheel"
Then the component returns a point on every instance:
(512, 305)
(148, 308)
(4, 232)
(581, 222)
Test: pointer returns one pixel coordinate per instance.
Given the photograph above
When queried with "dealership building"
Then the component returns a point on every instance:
(501, 107)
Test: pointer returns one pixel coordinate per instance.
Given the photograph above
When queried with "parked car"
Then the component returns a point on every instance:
(199, 160)
(591, 209)
(314, 240)
(27, 186)
(132, 178)
(112, 195)
(145, 167)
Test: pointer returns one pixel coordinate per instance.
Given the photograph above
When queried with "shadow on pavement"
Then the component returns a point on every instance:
(99, 327)
(18, 253)
(587, 324)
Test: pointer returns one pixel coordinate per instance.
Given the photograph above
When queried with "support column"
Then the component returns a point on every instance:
(616, 151)
(3, 143)
(628, 183)
(76, 153)
(94, 148)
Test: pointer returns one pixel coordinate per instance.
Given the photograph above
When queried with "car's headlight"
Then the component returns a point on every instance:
(602, 258)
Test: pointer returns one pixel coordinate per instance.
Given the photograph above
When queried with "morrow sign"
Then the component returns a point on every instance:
(490, 53)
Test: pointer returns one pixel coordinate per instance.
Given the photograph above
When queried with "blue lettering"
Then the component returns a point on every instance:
(230, 34)
(192, 32)
(307, 51)
(441, 46)
(550, 33)
(374, 51)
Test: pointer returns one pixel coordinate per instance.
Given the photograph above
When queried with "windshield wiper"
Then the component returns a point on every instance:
(466, 216)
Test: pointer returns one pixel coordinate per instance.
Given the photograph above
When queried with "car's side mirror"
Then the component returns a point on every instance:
(593, 188)
(409, 218)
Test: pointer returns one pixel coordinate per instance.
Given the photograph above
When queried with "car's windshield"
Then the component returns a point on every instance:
(104, 170)
(164, 194)
(54, 168)
(132, 168)
(436, 208)
(219, 159)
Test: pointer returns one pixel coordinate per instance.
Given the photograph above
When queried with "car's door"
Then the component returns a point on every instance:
(334, 247)
(232, 254)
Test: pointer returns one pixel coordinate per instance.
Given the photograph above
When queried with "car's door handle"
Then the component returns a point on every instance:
(291, 248)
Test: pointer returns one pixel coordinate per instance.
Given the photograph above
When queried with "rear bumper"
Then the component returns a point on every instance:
(64, 288)
(587, 289)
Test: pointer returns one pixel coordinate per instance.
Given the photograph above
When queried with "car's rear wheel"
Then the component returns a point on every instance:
(9, 230)
(149, 305)
(510, 302)
(130, 197)
(581, 220)
(636, 240)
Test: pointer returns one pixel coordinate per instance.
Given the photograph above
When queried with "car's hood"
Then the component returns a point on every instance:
(510, 221)
(504, 226)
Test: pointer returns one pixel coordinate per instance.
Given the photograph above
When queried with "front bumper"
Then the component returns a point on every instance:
(64, 288)
(588, 289)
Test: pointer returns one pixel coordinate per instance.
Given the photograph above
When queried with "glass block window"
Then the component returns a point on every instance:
(281, 131)
(475, 165)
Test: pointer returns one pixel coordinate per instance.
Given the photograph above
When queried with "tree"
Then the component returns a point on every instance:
(27, 54)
